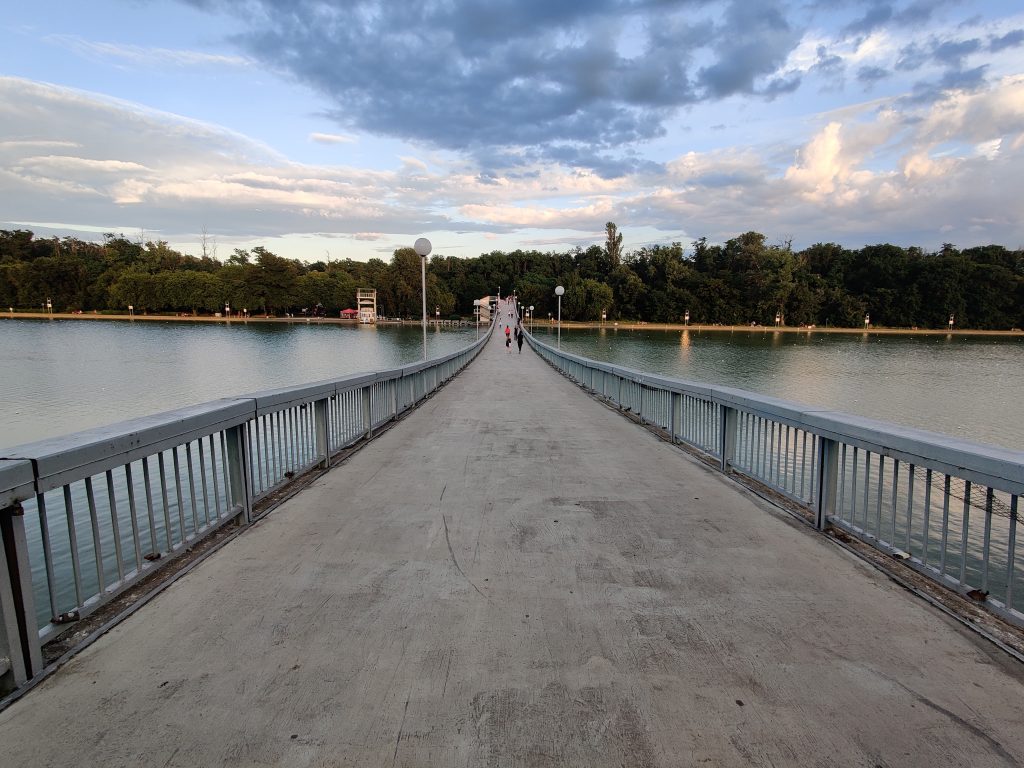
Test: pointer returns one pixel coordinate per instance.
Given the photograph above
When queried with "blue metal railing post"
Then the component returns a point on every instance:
(367, 413)
(728, 423)
(19, 633)
(674, 398)
(323, 436)
(827, 469)
(239, 497)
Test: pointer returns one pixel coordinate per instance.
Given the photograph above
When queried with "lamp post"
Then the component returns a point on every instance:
(531, 318)
(867, 320)
(778, 319)
(49, 308)
(227, 310)
(437, 315)
(686, 318)
(423, 247)
(476, 311)
(131, 311)
(559, 290)
(951, 318)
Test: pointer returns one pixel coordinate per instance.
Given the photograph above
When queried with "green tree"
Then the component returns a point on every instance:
(613, 244)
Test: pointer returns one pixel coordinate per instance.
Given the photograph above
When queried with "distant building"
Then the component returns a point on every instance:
(366, 301)
(488, 305)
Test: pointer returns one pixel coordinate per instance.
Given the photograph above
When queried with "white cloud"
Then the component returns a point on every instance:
(331, 138)
(978, 117)
(826, 169)
(539, 217)
(144, 56)
(37, 144)
(67, 163)
(865, 175)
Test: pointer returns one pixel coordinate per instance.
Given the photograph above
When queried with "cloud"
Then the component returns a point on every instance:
(871, 75)
(1012, 39)
(542, 79)
(875, 16)
(516, 83)
(880, 13)
(956, 167)
(828, 64)
(951, 53)
(330, 138)
(881, 170)
(37, 144)
(138, 55)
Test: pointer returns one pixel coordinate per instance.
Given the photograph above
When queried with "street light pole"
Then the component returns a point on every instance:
(423, 248)
(559, 290)
(531, 318)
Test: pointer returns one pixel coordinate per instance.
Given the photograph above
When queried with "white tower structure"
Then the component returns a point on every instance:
(366, 303)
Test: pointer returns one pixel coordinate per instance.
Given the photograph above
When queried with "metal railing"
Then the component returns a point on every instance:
(84, 517)
(947, 508)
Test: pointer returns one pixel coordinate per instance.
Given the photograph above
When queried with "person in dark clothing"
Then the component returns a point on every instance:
(519, 340)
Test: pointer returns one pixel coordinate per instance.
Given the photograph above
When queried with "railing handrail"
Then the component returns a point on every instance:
(90, 451)
(994, 465)
(945, 507)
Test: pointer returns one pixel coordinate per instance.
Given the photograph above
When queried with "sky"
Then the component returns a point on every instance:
(325, 129)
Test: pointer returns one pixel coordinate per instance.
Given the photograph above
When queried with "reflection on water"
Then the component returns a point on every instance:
(968, 386)
(64, 376)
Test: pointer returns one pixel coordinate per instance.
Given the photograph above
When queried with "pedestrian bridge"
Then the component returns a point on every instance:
(509, 574)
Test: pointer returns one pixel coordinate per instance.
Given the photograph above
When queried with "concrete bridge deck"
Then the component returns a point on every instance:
(517, 576)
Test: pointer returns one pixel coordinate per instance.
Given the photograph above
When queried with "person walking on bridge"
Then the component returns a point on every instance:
(519, 339)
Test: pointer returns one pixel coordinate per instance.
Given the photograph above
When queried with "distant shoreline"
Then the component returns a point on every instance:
(608, 325)
(785, 329)
(203, 318)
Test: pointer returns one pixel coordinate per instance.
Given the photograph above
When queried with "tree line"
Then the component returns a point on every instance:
(745, 280)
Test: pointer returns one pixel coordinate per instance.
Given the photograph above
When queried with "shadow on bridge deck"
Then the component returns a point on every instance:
(516, 575)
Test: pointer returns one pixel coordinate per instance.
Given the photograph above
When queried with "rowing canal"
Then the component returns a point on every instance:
(64, 376)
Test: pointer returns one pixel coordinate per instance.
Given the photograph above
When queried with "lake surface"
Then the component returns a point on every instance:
(63, 376)
(968, 386)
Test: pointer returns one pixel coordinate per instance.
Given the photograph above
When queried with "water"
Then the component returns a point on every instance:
(64, 376)
(966, 386)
